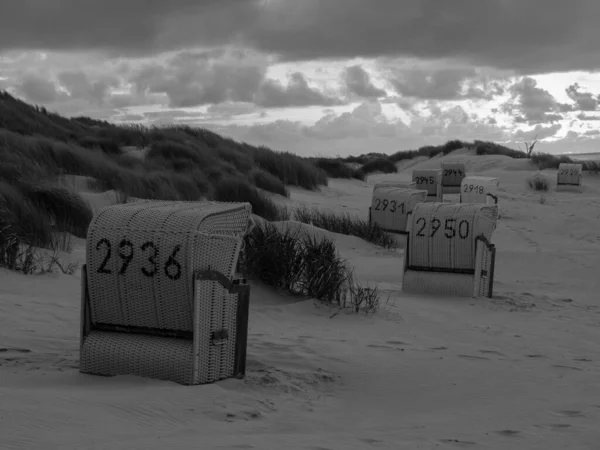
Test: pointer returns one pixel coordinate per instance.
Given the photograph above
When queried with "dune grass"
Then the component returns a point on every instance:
(304, 265)
(344, 224)
(239, 190)
(38, 216)
(39, 148)
(338, 168)
(538, 182)
(268, 182)
(592, 167)
(540, 160)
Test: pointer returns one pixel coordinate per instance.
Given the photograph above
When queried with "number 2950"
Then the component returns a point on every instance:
(451, 230)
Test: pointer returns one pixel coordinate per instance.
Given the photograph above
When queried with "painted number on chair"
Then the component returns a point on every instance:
(449, 172)
(425, 180)
(473, 188)
(148, 251)
(451, 230)
(394, 206)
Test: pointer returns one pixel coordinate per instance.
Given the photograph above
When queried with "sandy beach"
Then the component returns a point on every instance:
(518, 371)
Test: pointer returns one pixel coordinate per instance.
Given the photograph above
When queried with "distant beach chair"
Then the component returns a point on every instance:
(452, 175)
(391, 207)
(429, 180)
(476, 189)
(159, 297)
(569, 177)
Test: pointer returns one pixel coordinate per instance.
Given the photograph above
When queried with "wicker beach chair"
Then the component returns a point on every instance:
(391, 207)
(159, 298)
(449, 250)
(477, 189)
(569, 177)
(429, 180)
(453, 173)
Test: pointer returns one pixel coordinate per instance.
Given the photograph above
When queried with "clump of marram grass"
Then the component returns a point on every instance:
(337, 168)
(239, 190)
(67, 211)
(383, 165)
(268, 182)
(344, 223)
(359, 297)
(36, 221)
(325, 274)
(275, 258)
(303, 265)
(538, 182)
(592, 167)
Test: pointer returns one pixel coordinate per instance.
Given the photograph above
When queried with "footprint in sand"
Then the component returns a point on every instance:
(555, 426)
(492, 352)
(457, 442)
(243, 415)
(509, 433)
(379, 346)
(387, 347)
(535, 355)
(571, 413)
(396, 343)
(560, 366)
(370, 441)
(473, 357)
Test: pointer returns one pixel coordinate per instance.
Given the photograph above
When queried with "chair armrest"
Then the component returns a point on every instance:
(233, 286)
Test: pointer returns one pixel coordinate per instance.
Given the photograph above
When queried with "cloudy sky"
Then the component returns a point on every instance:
(317, 77)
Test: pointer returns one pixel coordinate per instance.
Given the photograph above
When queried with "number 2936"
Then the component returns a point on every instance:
(148, 250)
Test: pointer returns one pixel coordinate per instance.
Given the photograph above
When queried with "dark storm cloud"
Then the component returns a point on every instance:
(273, 94)
(532, 36)
(358, 82)
(192, 79)
(439, 84)
(535, 104)
(37, 89)
(584, 101)
(199, 78)
(80, 86)
(130, 27)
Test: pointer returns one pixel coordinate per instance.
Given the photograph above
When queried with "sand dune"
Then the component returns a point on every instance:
(519, 371)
